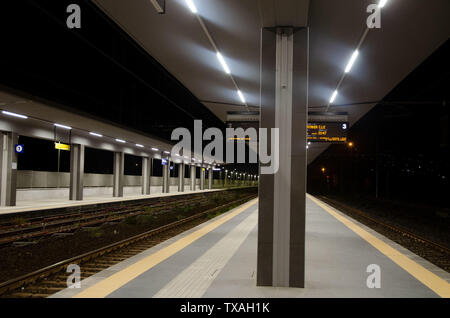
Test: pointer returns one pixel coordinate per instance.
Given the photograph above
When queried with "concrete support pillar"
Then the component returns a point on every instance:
(202, 178)
(166, 177)
(146, 175)
(225, 181)
(210, 178)
(181, 177)
(193, 177)
(119, 163)
(8, 168)
(281, 223)
(76, 172)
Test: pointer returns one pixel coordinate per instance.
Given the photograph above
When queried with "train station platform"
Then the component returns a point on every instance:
(218, 259)
(61, 203)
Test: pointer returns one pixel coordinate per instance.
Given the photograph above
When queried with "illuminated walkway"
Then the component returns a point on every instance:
(218, 259)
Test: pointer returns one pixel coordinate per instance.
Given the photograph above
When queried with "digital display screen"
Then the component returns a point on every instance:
(327, 132)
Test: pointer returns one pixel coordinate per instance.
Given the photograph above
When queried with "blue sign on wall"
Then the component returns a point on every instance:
(164, 162)
(19, 148)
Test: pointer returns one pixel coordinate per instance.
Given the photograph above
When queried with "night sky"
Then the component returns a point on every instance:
(405, 136)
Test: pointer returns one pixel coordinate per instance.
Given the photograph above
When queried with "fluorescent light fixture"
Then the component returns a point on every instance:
(382, 3)
(63, 126)
(14, 114)
(120, 140)
(191, 5)
(352, 61)
(241, 96)
(167, 152)
(95, 134)
(155, 149)
(139, 145)
(158, 7)
(224, 64)
(333, 97)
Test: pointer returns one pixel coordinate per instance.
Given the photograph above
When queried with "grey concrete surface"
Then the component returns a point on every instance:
(336, 264)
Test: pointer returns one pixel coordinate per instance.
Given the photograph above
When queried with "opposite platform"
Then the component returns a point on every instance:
(218, 259)
(48, 204)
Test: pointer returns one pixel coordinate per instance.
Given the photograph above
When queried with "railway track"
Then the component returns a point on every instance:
(402, 232)
(51, 279)
(34, 228)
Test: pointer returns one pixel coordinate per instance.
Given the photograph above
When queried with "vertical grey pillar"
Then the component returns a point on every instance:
(210, 178)
(166, 177)
(281, 223)
(8, 168)
(146, 175)
(181, 177)
(202, 178)
(76, 172)
(226, 179)
(119, 163)
(193, 177)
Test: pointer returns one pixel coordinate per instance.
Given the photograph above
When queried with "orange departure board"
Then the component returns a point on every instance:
(327, 132)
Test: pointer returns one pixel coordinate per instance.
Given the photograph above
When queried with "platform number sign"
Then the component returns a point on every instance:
(19, 148)
(164, 162)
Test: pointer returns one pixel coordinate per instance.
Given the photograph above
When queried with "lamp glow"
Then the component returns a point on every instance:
(382, 3)
(95, 134)
(241, 96)
(333, 97)
(120, 140)
(191, 6)
(224, 64)
(352, 61)
(63, 126)
(14, 114)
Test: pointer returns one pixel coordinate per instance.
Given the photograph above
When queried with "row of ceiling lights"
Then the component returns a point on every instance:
(99, 135)
(353, 59)
(241, 173)
(193, 8)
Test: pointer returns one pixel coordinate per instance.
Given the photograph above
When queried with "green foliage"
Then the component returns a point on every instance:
(130, 220)
(95, 232)
(139, 219)
(144, 219)
(149, 209)
(19, 221)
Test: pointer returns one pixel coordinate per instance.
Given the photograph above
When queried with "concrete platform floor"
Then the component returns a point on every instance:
(218, 259)
(36, 205)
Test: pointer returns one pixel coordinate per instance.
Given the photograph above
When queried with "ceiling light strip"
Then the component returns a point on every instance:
(213, 43)
(349, 65)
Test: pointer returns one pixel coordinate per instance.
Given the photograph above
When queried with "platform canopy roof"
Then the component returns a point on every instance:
(187, 44)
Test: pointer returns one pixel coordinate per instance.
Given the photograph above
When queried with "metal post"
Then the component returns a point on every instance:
(202, 178)
(119, 163)
(8, 168)
(281, 221)
(181, 177)
(146, 175)
(210, 178)
(76, 172)
(193, 177)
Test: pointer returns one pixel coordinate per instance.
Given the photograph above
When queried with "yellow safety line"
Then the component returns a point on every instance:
(429, 279)
(117, 280)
